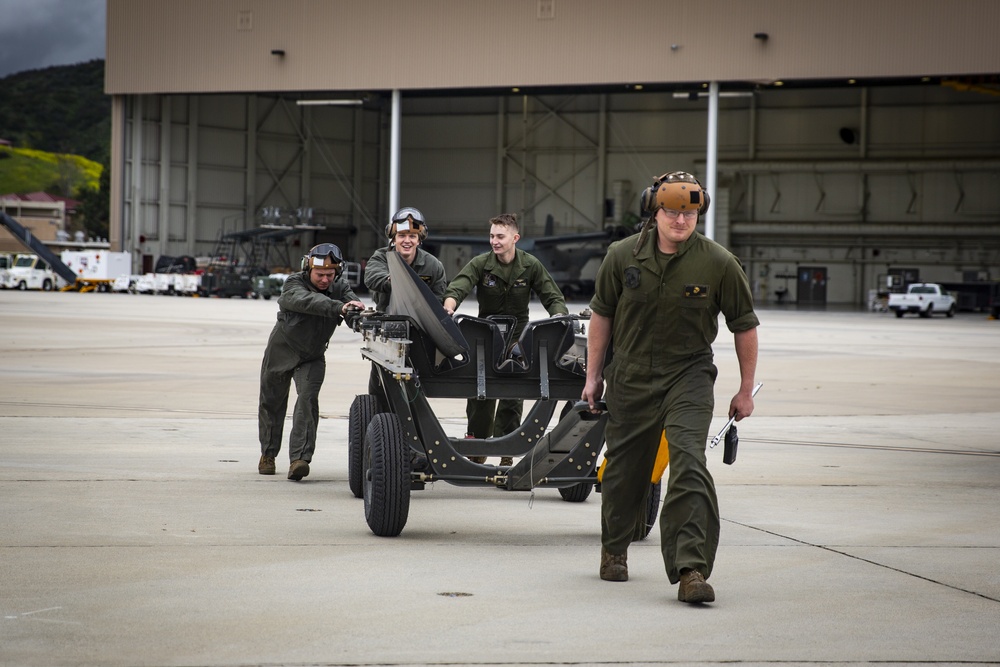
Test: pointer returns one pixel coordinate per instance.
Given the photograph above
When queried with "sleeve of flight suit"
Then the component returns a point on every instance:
(377, 272)
(462, 284)
(608, 286)
(298, 297)
(737, 299)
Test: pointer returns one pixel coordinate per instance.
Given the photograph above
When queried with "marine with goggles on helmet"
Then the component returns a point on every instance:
(312, 303)
(657, 299)
(406, 231)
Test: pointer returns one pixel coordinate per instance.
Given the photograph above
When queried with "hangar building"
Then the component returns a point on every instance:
(843, 143)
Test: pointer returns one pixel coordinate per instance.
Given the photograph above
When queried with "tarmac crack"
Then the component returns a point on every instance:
(865, 560)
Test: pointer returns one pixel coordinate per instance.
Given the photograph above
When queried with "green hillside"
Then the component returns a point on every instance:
(25, 170)
(58, 109)
(58, 120)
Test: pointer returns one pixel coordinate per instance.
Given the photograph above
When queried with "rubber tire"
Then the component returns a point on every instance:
(578, 492)
(360, 415)
(387, 476)
(899, 313)
(22, 286)
(929, 311)
(47, 285)
(652, 507)
(951, 311)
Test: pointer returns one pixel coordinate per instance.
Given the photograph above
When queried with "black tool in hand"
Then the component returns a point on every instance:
(732, 441)
(730, 428)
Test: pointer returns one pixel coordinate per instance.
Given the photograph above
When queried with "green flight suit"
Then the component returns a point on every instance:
(427, 266)
(295, 350)
(504, 289)
(662, 377)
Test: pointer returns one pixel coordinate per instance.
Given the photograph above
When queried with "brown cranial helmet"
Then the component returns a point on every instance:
(677, 191)
(405, 219)
(323, 256)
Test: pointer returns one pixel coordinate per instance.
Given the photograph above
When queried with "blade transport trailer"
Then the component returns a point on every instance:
(396, 444)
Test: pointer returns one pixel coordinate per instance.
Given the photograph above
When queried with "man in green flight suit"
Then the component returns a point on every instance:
(312, 304)
(406, 231)
(505, 279)
(657, 299)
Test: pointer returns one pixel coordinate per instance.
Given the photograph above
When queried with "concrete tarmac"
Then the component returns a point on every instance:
(861, 521)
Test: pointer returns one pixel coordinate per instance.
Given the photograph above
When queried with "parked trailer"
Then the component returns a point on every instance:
(97, 269)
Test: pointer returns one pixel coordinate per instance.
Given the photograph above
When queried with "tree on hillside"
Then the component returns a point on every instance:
(95, 206)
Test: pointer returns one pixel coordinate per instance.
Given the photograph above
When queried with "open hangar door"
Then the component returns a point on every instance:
(912, 183)
(200, 167)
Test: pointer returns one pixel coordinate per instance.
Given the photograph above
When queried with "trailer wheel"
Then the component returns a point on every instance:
(362, 410)
(652, 507)
(387, 476)
(576, 493)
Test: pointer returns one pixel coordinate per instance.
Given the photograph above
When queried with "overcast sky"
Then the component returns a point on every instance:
(41, 33)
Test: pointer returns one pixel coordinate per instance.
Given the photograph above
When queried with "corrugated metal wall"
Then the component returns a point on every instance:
(226, 45)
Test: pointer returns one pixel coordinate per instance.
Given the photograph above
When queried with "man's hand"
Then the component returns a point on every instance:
(742, 405)
(351, 305)
(592, 392)
(450, 305)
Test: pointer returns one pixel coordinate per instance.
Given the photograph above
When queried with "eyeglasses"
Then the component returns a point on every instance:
(673, 215)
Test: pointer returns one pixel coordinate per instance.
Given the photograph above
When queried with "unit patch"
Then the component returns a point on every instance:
(489, 280)
(696, 291)
(632, 274)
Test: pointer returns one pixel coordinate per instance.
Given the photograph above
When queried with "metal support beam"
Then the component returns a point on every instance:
(394, 148)
(191, 212)
(250, 194)
(711, 154)
(163, 228)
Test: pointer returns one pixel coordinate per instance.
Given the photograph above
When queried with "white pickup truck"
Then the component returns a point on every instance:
(924, 299)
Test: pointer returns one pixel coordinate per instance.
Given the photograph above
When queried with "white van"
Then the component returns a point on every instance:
(30, 272)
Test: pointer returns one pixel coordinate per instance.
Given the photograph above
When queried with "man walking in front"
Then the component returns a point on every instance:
(656, 304)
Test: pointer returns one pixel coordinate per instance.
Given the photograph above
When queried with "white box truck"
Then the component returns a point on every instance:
(97, 266)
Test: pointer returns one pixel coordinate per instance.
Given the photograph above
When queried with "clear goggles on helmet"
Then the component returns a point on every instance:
(409, 214)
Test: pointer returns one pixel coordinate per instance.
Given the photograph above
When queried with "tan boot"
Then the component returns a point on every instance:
(298, 469)
(506, 461)
(614, 567)
(694, 588)
(266, 465)
(478, 459)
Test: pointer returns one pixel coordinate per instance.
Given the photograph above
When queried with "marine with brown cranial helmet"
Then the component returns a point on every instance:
(407, 218)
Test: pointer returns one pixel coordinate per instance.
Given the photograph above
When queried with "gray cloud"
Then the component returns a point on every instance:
(41, 33)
